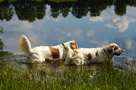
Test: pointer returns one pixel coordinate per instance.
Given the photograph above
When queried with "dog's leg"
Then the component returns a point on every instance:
(67, 61)
(78, 59)
(68, 55)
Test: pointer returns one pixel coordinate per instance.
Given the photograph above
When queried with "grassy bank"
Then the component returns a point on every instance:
(105, 78)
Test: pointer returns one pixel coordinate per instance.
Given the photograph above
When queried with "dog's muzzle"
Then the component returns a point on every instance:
(118, 52)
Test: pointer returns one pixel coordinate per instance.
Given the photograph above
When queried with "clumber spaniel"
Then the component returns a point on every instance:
(41, 53)
(82, 56)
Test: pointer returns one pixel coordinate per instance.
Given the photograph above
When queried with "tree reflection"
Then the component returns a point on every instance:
(80, 8)
(6, 11)
(120, 7)
(31, 10)
(97, 6)
(28, 10)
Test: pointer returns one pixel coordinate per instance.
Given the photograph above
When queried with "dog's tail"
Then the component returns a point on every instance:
(24, 44)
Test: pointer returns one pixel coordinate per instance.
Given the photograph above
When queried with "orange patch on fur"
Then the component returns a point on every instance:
(73, 45)
(112, 48)
(54, 52)
(115, 47)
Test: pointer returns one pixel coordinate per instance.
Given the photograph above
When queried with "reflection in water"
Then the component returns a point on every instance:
(45, 31)
(48, 71)
(52, 71)
(36, 9)
(44, 72)
(6, 11)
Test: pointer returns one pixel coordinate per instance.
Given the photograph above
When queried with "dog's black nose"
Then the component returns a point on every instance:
(123, 50)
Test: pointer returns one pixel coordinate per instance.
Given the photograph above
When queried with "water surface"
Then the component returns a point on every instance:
(91, 23)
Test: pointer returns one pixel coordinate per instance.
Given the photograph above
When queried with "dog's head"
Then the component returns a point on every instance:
(72, 44)
(113, 49)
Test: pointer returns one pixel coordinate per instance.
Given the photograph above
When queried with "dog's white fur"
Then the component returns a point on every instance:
(82, 56)
(41, 53)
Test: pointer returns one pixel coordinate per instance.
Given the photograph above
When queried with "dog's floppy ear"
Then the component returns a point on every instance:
(74, 45)
(110, 49)
(24, 44)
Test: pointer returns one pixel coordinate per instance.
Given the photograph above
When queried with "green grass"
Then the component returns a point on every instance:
(70, 79)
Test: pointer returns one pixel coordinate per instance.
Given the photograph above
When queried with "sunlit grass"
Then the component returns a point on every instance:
(106, 78)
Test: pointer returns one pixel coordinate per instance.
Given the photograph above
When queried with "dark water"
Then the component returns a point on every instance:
(91, 23)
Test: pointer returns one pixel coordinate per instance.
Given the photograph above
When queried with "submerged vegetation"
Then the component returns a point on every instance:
(67, 77)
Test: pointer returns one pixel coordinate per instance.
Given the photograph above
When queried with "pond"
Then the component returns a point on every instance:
(91, 23)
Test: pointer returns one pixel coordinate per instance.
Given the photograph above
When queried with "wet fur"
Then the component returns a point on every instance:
(92, 55)
(41, 53)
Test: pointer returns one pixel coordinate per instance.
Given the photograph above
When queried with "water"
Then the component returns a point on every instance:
(91, 23)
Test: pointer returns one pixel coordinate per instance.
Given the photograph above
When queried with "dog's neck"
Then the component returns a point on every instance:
(109, 56)
(63, 46)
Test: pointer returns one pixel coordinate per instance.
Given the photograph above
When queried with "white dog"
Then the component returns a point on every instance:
(82, 56)
(41, 53)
